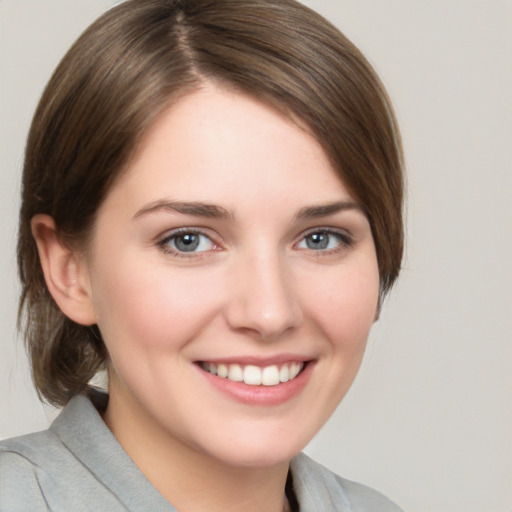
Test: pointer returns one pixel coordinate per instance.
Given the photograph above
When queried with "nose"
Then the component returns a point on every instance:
(263, 300)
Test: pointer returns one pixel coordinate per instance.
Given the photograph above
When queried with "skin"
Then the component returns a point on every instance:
(254, 288)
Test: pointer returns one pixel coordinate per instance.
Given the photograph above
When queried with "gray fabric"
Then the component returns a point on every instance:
(78, 465)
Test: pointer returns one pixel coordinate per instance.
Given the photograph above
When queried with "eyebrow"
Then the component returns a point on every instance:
(213, 211)
(196, 209)
(323, 210)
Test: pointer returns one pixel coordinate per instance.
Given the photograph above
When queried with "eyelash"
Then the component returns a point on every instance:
(344, 241)
(181, 233)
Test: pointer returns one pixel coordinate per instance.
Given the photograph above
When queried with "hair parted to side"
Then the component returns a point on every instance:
(130, 65)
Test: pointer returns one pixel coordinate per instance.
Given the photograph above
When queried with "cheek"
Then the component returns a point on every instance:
(151, 309)
(345, 305)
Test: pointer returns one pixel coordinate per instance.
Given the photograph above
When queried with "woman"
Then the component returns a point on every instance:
(211, 211)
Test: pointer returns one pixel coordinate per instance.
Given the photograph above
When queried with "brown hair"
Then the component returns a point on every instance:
(125, 69)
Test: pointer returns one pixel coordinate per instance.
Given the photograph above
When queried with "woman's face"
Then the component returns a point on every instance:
(234, 280)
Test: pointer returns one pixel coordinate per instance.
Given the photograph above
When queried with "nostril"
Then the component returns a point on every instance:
(262, 300)
(268, 322)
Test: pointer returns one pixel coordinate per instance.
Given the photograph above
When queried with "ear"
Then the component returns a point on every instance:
(65, 272)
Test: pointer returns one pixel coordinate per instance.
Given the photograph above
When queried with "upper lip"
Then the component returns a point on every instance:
(258, 360)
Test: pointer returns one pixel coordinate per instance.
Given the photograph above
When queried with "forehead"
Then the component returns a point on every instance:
(218, 145)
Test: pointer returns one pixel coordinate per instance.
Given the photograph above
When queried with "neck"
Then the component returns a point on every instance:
(190, 479)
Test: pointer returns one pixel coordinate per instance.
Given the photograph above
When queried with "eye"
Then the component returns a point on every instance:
(324, 240)
(187, 241)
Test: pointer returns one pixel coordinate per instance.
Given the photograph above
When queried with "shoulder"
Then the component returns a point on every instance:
(319, 489)
(22, 461)
(31, 450)
(39, 472)
(76, 465)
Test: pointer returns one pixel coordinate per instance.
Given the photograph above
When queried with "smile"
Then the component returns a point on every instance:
(255, 375)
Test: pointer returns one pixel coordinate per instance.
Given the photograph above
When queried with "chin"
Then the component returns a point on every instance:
(261, 451)
(260, 459)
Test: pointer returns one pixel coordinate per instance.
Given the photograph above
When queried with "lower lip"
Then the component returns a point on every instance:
(261, 395)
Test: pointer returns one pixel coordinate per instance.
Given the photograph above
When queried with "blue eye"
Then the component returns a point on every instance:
(187, 242)
(323, 240)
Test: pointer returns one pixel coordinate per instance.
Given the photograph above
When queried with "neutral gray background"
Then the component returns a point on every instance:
(429, 419)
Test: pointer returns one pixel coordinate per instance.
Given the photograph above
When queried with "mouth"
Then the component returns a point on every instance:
(252, 375)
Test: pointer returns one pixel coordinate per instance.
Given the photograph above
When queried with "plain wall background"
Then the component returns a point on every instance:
(429, 419)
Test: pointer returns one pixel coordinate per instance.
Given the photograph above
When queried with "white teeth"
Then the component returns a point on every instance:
(252, 375)
(294, 370)
(270, 376)
(222, 370)
(255, 375)
(235, 373)
(284, 373)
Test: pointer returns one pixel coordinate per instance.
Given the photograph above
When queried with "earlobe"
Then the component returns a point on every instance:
(64, 270)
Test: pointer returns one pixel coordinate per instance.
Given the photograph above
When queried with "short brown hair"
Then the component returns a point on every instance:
(125, 69)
